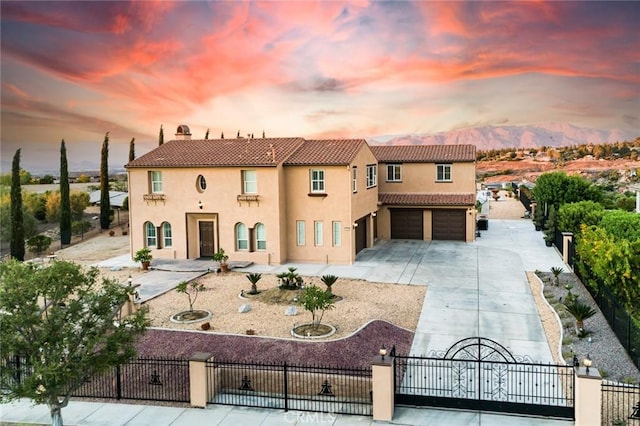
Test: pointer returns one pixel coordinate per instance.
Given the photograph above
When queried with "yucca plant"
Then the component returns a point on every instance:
(254, 278)
(329, 280)
(580, 311)
(556, 271)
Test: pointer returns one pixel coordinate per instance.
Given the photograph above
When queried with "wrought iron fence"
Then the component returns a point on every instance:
(516, 387)
(291, 387)
(525, 197)
(152, 379)
(558, 241)
(627, 332)
(620, 404)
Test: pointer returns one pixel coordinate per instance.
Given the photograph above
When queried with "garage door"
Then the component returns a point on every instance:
(449, 225)
(406, 224)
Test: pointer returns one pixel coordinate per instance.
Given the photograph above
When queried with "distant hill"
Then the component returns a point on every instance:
(499, 137)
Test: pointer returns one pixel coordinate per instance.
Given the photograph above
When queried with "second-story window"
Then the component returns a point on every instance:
(372, 175)
(317, 181)
(394, 172)
(155, 182)
(354, 177)
(249, 182)
(443, 172)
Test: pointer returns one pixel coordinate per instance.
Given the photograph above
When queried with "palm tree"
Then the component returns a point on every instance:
(329, 280)
(254, 278)
(556, 271)
(580, 311)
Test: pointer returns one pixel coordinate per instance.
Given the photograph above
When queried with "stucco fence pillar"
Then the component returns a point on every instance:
(382, 388)
(588, 397)
(200, 384)
(567, 238)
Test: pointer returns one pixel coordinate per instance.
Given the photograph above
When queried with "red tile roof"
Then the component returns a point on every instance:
(423, 153)
(220, 152)
(326, 151)
(424, 199)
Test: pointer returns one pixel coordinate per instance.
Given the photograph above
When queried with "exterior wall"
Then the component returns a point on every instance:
(181, 209)
(340, 204)
(335, 206)
(421, 178)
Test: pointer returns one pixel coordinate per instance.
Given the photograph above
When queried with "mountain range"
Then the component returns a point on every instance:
(498, 137)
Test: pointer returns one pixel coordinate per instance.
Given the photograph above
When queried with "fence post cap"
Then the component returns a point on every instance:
(200, 356)
(592, 373)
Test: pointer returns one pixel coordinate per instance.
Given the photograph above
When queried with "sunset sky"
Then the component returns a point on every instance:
(76, 70)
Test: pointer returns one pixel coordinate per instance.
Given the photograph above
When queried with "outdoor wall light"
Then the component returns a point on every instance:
(374, 214)
(200, 204)
(587, 363)
(383, 352)
(355, 225)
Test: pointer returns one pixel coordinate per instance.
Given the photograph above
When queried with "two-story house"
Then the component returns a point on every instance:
(426, 192)
(277, 200)
(265, 200)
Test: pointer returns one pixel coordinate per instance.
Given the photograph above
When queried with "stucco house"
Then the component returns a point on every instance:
(277, 200)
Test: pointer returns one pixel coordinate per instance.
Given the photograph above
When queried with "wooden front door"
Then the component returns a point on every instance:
(206, 238)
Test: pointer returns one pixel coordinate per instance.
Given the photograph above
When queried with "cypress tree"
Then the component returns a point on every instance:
(65, 200)
(206, 135)
(161, 136)
(132, 150)
(17, 219)
(105, 206)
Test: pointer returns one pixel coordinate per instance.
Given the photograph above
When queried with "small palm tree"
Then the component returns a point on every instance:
(329, 280)
(580, 311)
(254, 278)
(556, 271)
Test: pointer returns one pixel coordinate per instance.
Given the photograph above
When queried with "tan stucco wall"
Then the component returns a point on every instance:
(340, 204)
(421, 177)
(219, 204)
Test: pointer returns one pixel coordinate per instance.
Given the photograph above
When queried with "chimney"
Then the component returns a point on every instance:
(183, 133)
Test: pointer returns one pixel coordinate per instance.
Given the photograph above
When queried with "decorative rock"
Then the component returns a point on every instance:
(290, 311)
(244, 308)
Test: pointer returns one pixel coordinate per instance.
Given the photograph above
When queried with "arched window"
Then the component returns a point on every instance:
(166, 235)
(242, 237)
(150, 234)
(261, 237)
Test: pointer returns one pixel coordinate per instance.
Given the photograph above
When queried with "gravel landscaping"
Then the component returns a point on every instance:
(600, 343)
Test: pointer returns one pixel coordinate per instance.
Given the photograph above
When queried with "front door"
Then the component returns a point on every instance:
(206, 238)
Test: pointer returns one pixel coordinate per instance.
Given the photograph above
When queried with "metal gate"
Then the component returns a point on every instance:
(480, 374)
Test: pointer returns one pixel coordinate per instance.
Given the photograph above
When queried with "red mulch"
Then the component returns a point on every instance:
(355, 351)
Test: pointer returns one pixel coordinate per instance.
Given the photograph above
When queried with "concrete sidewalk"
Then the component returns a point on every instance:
(104, 414)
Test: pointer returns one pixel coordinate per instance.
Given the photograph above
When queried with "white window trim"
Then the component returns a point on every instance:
(264, 237)
(165, 237)
(372, 175)
(321, 182)
(336, 234)
(148, 237)
(444, 167)
(156, 184)
(300, 232)
(393, 168)
(242, 226)
(246, 182)
(318, 233)
(354, 177)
